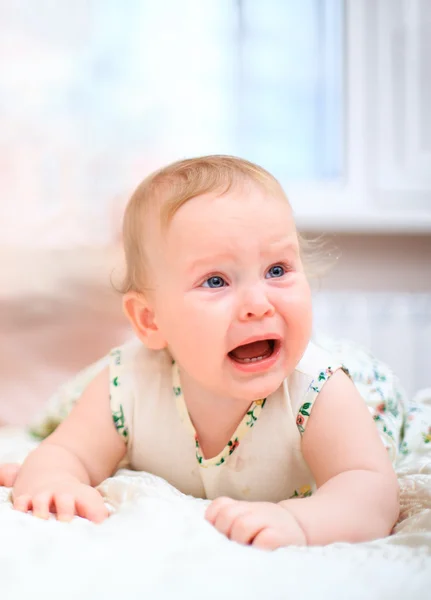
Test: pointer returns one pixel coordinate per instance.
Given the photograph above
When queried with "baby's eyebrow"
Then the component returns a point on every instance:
(277, 247)
(211, 259)
(283, 246)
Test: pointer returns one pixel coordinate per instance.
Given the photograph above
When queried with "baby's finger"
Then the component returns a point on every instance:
(246, 527)
(64, 506)
(41, 505)
(90, 505)
(22, 503)
(216, 506)
(229, 514)
(268, 539)
(8, 474)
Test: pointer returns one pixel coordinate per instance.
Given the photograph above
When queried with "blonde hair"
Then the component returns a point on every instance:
(167, 189)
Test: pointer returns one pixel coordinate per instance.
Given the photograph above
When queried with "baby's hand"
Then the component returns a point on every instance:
(66, 499)
(8, 474)
(260, 524)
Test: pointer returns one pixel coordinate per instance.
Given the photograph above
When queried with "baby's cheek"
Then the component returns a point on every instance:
(307, 319)
(302, 307)
(299, 329)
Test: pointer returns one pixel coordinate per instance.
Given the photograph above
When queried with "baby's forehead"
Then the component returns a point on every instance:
(242, 199)
(244, 204)
(238, 223)
(231, 219)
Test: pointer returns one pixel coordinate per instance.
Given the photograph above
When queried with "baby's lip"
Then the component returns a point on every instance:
(257, 338)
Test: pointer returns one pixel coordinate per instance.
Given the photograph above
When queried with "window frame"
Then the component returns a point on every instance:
(354, 203)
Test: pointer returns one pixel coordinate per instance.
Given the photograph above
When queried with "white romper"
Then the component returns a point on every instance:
(262, 461)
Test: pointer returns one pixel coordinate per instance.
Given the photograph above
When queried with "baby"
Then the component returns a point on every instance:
(222, 393)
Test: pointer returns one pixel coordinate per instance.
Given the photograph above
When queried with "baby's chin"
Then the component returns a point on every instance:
(257, 390)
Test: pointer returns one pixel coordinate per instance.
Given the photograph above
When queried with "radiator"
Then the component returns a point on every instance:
(396, 327)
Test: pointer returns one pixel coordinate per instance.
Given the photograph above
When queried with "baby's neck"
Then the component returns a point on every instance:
(215, 418)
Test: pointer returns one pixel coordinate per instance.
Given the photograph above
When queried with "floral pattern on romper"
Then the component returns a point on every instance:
(248, 421)
(416, 430)
(304, 411)
(303, 492)
(374, 382)
(115, 394)
(313, 390)
(404, 425)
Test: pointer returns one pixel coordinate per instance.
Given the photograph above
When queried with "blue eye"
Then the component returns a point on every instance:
(275, 271)
(214, 282)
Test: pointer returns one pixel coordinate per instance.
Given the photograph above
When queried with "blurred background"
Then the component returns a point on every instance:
(332, 96)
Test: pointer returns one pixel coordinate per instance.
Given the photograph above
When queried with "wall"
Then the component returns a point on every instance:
(379, 295)
(381, 263)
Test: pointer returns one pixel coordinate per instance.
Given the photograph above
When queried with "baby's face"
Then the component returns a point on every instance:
(231, 297)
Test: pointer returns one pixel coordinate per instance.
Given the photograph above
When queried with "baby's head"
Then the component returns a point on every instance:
(215, 273)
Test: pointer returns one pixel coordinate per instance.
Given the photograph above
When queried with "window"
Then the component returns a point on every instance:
(291, 91)
(96, 94)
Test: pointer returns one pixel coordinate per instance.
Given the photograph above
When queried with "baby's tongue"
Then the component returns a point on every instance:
(252, 350)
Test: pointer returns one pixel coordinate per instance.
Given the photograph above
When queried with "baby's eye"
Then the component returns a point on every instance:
(276, 271)
(214, 282)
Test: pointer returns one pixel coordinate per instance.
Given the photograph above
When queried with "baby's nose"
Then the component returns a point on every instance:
(255, 305)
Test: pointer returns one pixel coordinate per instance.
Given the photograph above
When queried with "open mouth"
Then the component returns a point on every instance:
(255, 351)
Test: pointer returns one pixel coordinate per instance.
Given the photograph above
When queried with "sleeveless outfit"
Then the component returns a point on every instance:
(263, 459)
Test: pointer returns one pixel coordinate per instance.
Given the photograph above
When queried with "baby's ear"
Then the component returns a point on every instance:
(141, 316)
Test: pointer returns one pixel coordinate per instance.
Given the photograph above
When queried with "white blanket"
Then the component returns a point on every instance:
(157, 545)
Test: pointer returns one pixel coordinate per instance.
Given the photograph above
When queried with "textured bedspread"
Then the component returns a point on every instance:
(157, 545)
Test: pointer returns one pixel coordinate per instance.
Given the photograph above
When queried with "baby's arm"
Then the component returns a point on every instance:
(358, 496)
(83, 451)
